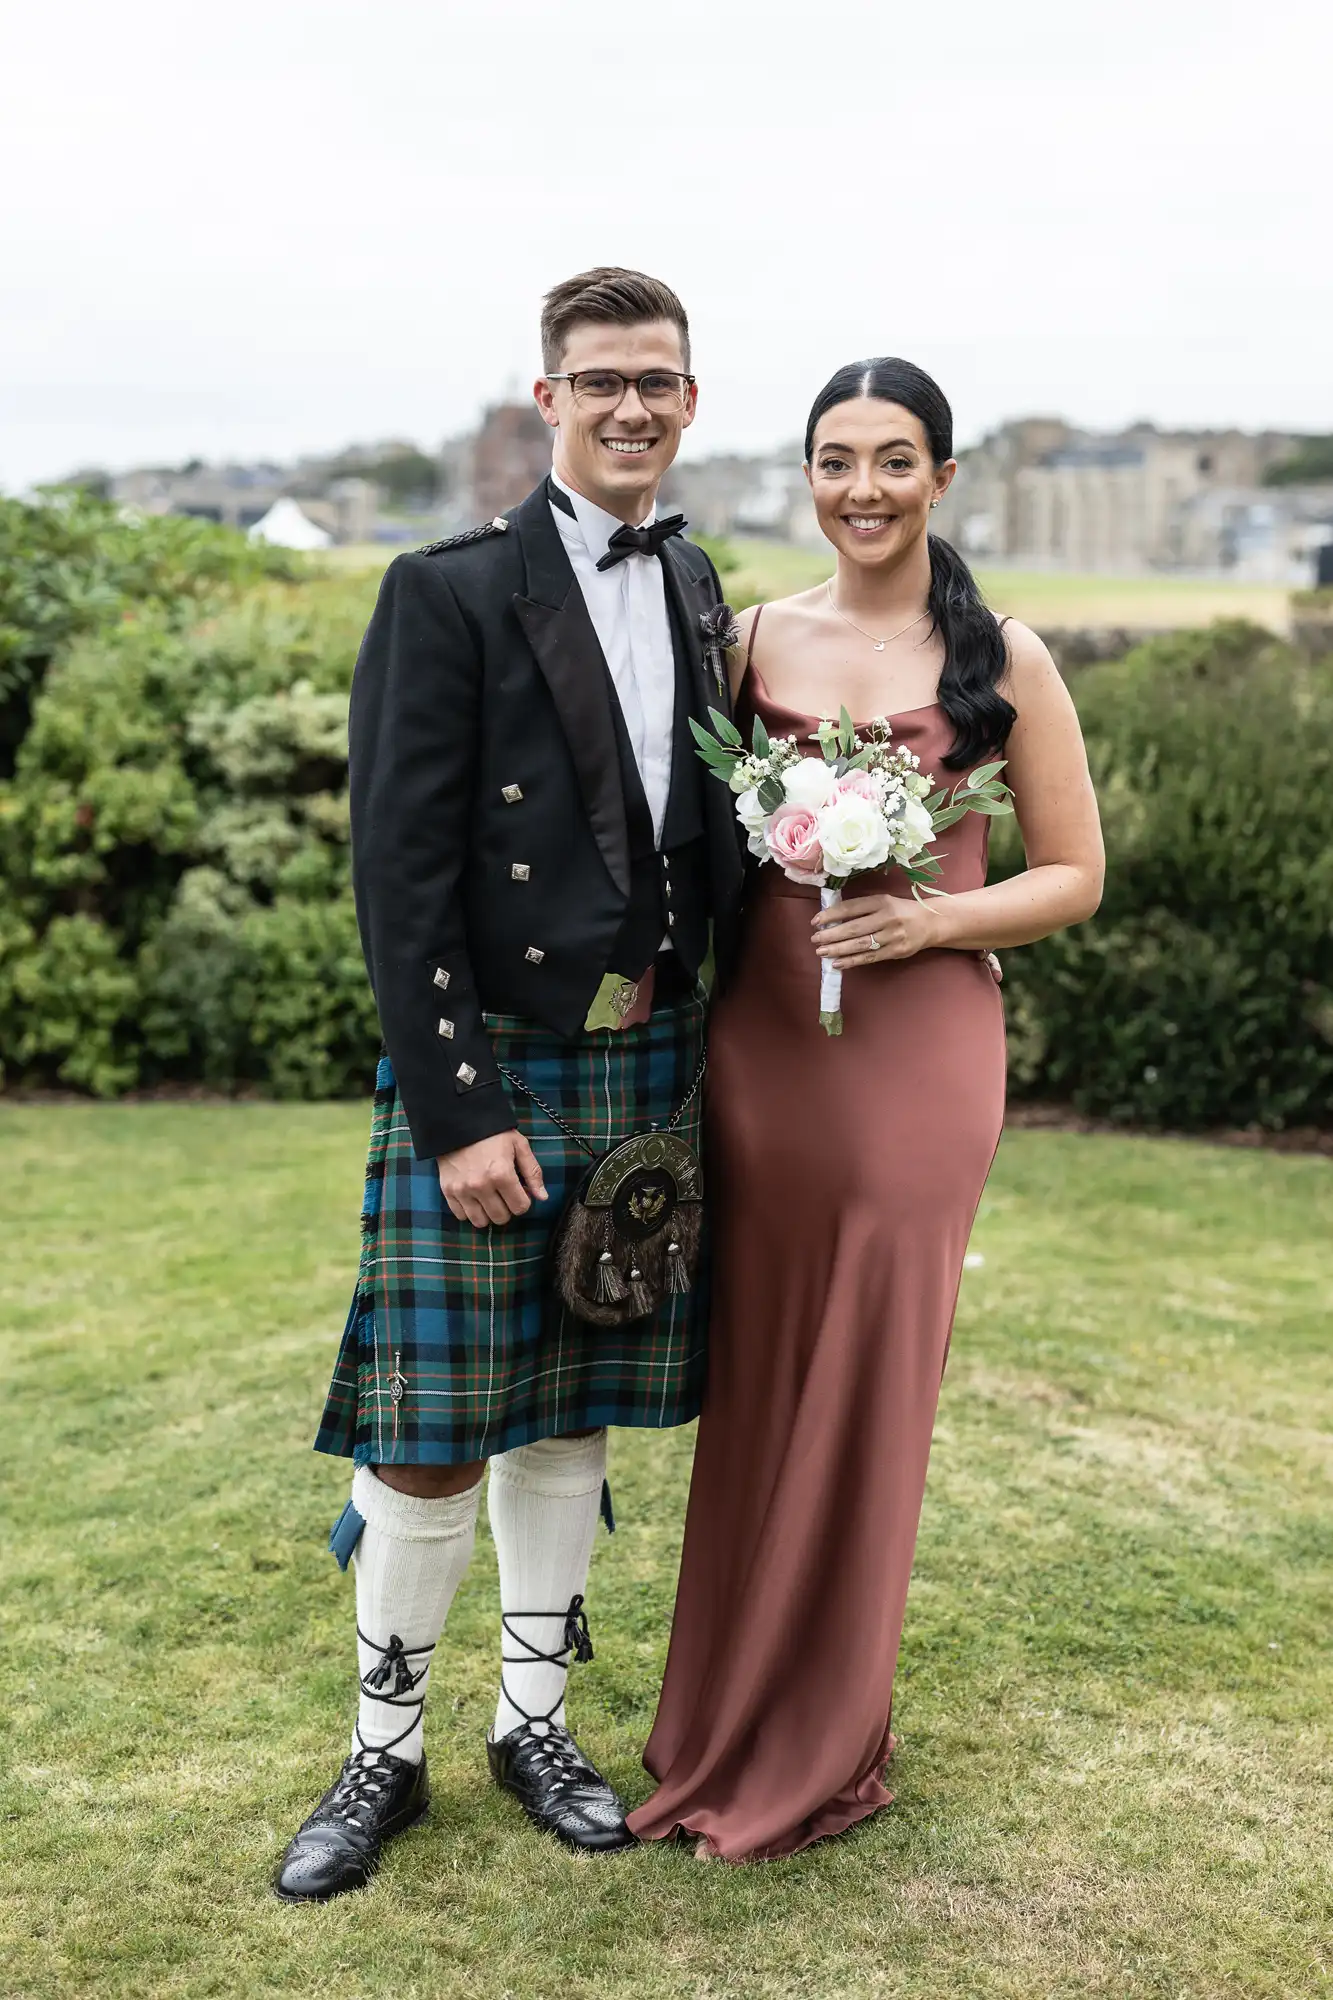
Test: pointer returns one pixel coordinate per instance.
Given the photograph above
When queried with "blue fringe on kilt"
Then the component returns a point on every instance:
(463, 1322)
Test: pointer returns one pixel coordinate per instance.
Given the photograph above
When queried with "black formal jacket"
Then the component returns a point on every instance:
(491, 845)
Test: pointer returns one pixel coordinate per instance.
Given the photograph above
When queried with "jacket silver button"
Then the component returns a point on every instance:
(520, 871)
(511, 794)
(533, 956)
(447, 1030)
(442, 979)
(466, 1073)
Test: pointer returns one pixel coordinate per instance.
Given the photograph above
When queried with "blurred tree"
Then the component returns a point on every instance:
(1312, 460)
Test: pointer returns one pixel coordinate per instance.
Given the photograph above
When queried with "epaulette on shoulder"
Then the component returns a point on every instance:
(496, 527)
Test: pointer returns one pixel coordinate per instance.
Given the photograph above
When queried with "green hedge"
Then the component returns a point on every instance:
(173, 837)
(1202, 992)
(173, 844)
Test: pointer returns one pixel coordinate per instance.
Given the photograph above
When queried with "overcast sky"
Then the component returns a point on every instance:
(279, 225)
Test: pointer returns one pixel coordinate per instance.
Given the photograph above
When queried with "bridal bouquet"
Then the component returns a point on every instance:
(861, 804)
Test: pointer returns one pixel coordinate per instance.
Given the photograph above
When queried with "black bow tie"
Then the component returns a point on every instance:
(640, 541)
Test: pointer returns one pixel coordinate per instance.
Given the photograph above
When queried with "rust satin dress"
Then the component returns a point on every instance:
(845, 1175)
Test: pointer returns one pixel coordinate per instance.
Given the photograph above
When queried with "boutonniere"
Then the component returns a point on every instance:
(721, 633)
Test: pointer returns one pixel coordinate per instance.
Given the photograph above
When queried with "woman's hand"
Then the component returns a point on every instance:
(863, 930)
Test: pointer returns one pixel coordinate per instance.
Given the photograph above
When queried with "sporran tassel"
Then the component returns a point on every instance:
(640, 1296)
(608, 1285)
(677, 1272)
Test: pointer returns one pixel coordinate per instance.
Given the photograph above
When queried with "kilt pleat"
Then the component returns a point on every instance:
(455, 1346)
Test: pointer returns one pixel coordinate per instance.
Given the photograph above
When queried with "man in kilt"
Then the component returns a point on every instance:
(539, 864)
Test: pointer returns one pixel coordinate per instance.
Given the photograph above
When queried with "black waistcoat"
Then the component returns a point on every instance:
(669, 890)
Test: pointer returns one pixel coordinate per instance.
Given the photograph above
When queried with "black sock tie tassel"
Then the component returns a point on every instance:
(393, 1661)
(576, 1640)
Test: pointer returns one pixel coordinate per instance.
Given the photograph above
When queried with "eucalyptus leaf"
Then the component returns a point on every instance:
(771, 794)
(709, 744)
(726, 729)
(983, 774)
(762, 746)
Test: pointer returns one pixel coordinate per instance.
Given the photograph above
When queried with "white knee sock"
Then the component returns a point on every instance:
(410, 1560)
(543, 1503)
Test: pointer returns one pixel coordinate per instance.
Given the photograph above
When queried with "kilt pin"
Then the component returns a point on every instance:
(456, 1345)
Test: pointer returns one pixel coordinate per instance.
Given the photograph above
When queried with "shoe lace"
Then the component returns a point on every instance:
(554, 1756)
(360, 1785)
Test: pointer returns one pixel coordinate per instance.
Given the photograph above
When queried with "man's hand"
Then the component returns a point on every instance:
(493, 1181)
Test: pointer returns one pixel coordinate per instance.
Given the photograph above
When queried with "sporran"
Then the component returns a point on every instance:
(631, 1231)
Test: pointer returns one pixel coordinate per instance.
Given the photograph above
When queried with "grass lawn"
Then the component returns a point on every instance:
(1115, 1690)
(1046, 600)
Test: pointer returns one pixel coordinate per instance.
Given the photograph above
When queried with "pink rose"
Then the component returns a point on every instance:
(792, 837)
(859, 782)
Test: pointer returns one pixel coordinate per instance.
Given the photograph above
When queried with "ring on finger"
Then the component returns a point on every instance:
(873, 942)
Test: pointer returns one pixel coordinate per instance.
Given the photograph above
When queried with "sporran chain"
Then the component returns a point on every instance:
(576, 1137)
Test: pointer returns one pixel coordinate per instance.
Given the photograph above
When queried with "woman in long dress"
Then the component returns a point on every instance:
(846, 1172)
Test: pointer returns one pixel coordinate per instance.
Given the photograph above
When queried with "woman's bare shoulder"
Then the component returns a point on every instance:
(779, 615)
(780, 610)
(1030, 664)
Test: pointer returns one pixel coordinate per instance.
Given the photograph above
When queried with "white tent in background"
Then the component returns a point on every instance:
(286, 527)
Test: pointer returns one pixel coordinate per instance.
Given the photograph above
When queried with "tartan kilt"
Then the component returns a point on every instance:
(486, 1355)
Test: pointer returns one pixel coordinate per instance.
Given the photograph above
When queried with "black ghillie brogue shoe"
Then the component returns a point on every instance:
(558, 1789)
(376, 1796)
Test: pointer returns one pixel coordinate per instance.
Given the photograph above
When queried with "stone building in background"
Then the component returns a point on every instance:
(1040, 492)
(1036, 492)
(510, 452)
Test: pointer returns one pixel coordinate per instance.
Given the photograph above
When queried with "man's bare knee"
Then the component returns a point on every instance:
(430, 1482)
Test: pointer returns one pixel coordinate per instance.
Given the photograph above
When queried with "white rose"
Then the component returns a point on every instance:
(749, 811)
(809, 783)
(853, 835)
(912, 830)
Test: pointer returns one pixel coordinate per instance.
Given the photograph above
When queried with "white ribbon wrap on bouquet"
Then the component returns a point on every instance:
(830, 978)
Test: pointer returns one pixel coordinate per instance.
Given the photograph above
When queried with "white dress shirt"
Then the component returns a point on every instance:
(628, 609)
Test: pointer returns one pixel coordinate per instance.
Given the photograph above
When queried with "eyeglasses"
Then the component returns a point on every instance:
(604, 387)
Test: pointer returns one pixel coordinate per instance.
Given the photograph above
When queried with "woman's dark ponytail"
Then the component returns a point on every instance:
(975, 653)
(975, 659)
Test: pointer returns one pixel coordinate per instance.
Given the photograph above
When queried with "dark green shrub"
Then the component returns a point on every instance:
(73, 564)
(1202, 992)
(173, 844)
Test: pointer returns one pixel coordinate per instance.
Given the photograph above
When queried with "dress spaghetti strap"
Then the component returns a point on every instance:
(749, 650)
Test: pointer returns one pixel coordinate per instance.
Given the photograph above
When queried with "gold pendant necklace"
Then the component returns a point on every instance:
(878, 644)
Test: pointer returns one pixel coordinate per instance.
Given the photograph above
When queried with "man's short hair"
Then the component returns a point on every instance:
(607, 296)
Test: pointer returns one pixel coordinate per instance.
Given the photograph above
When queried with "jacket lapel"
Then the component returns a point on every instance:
(556, 623)
(689, 599)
